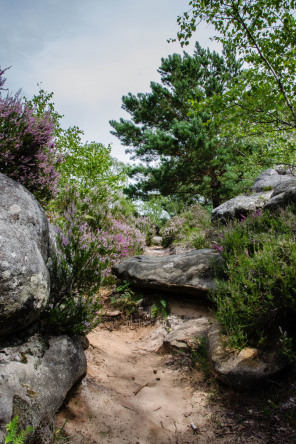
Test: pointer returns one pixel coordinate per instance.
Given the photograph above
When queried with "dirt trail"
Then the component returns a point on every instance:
(133, 395)
(130, 394)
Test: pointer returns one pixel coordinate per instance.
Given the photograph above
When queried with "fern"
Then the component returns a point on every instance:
(14, 435)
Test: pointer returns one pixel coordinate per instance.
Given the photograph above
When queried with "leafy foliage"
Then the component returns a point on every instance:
(184, 153)
(200, 357)
(14, 435)
(188, 227)
(159, 309)
(82, 263)
(257, 301)
(262, 99)
(126, 299)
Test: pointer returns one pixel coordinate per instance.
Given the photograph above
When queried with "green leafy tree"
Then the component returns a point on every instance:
(183, 153)
(85, 165)
(261, 102)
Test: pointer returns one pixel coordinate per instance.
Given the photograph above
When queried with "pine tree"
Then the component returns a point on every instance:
(183, 153)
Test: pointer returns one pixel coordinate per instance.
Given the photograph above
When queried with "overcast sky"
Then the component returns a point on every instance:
(89, 53)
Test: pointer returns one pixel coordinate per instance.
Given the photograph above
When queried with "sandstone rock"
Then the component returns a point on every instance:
(283, 195)
(191, 272)
(35, 376)
(243, 369)
(156, 251)
(271, 178)
(24, 278)
(241, 205)
(184, 336)
(273, 189)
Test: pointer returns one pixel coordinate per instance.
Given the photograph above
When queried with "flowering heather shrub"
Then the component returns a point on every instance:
(126, 240)
(256, 297)
(145, 225)
(27, 152)
(82, 264)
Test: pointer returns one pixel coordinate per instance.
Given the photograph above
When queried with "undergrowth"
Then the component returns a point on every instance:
(126, 299)
(200, 358)
(14, 434)
(256, 297)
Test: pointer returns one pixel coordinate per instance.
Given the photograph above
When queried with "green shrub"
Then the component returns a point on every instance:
(199, 242)
(159, 309)
(14, 435)
(188, 227)
(76, 275)
(126, 299)
(200, 357)
(256, 303)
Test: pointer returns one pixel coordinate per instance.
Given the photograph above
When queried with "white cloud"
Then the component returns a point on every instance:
(89, 53)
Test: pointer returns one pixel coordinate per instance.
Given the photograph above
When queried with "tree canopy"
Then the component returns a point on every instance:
(262, 100)
(184, 153)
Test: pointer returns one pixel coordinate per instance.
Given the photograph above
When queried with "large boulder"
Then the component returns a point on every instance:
(24, 245)
(274, 188)
(36, 374)
(192, 272)
(245, 368)
(283, 195)
(271, 178)
(241, 206)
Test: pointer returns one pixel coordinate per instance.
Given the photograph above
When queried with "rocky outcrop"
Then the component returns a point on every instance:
(24, 277)
(185, 336)
(241, 206)
(283, 195)
(245, 368)
(36, 375)
(271, 178)
(273, 189)
(191, 272)
(36, 371)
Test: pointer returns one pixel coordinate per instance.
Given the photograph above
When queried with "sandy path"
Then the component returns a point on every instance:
(130, 395)
(133, 395)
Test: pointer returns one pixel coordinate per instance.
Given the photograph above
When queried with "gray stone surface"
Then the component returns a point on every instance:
(24, 279)
(35, 376)
(184, 336)
(241, 205)
(283, 195)
(274, 188)
(243, 369)
(191, 272)
(24, 245)
(271, 178)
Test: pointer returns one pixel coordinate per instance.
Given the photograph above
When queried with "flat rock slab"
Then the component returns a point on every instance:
(184, 336)
(243, 369)
(35, 377)
(191, 273)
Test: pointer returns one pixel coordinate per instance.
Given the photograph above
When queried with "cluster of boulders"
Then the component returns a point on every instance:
(194, 273)
(36, 370)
